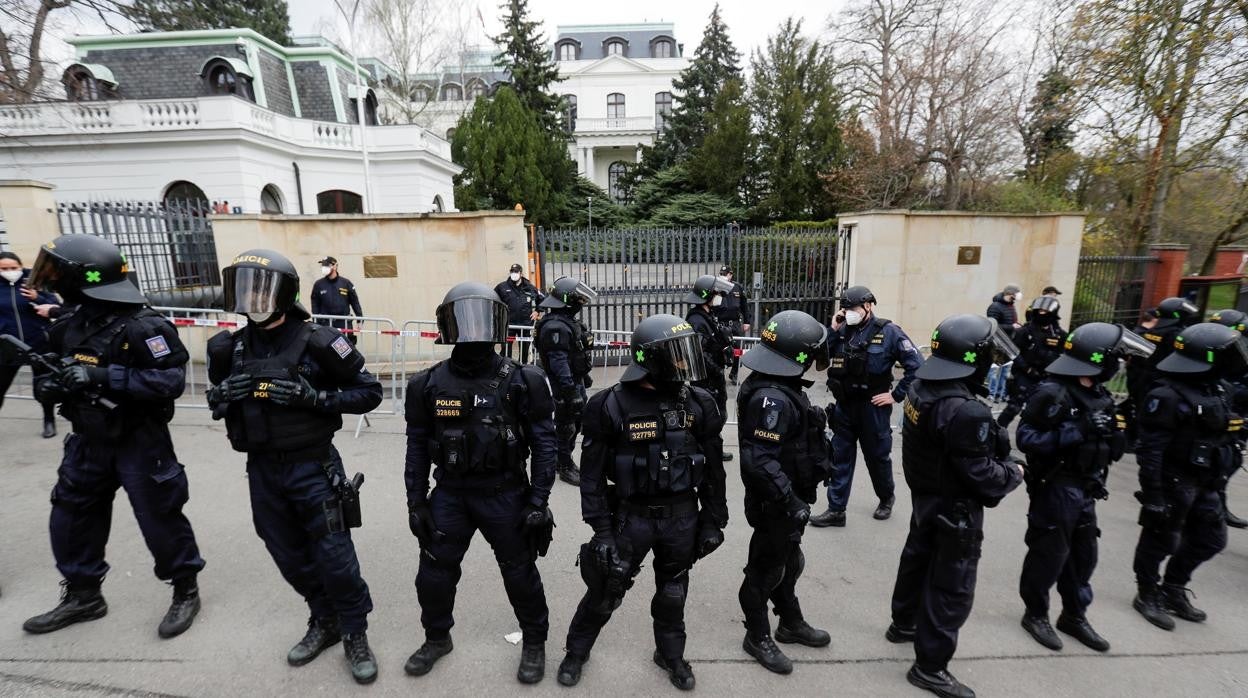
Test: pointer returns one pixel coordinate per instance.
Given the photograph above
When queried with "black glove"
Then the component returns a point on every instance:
(1102, 424)
(537, 526)
(798, 511)
(231, 389)
(1002, 446)
(587, 381)
(298, 393)
(710, 537)
(420, 521)
(78, 377)
(604, 548)
(569, 406)
(48, 390)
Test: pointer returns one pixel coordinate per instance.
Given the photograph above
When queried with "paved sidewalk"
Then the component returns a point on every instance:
(251, 617)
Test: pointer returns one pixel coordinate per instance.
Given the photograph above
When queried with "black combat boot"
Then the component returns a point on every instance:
(423, 659)
(798, 631)
(885, 509)
(678, 671)
(571, 475)
(828, 518)
(1038, 627)
(726, 457)
(360, 657)
(899, 634)
(1174, 600)
(532, 663)
(78, 604)
(322, 633)
(182, 611)
(1148, 603)
(570, 669)
(1077, 626)
(49, 427)
(941, 682)
(767, 653)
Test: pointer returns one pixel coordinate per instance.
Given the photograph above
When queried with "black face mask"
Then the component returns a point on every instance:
(473, 357)
(1043, 319)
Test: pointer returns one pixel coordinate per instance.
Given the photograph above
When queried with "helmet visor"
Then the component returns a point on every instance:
(722, 285)
(676, 360)
(251, 290)
(1132, 344)
(1048, 304)
(1236, 357)
(1003, 350)
(472, 320)
(48, 270)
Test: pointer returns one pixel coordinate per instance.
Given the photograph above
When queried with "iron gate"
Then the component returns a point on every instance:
(1111, 289)
(638, 273)
(169, 245)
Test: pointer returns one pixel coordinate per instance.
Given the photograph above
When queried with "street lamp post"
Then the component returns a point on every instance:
(359, 99)
(590, 199)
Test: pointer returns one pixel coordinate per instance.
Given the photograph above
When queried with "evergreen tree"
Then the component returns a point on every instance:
(268, 17)
(525, 56)
(1049, 129)
(718, 164)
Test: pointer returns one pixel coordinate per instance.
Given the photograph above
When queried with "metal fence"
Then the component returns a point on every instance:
(1111, 289)
(642, 272)
(169, 246)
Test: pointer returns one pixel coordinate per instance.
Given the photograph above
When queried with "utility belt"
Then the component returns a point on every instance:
(342, 510)
(860, 387)
(660, 507)
(497, 484)
(319, 454)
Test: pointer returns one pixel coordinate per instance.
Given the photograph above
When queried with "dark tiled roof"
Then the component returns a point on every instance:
(638, 45)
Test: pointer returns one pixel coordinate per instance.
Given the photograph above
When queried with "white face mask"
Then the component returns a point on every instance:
(515, 276)
(853, 317)
(325, 271)
(717, 300)
(260, 319)
(11, 275)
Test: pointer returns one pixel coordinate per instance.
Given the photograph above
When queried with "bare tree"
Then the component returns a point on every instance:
(23, 31)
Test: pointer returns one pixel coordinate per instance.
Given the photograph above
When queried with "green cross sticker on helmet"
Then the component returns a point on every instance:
(1097, 357)
(772, 327)
(801, 357)
(970, 357)
(93, 277)
(641, 356)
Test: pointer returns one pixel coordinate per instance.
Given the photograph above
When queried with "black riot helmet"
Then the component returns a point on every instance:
(706, 288)
(1180, 311)
(791, 341)
(570, 293)
(855, 296)
(666, 349)
(966, 346)
(1094, 350)
(1045, 304)
(85, 265)
(263, 285)
(471, 312)
(1207, 348)
(1235, 319)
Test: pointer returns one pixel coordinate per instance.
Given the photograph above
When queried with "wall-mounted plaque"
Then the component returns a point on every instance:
(383, 266)
(968, 254)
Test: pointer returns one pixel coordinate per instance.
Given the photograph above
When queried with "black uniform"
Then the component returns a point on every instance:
(521, 298)
(477, 421)
(564, 345)
(1141, 373)
(293, 470)
(336, 296)
(1039, 342)
(733, 314)
(952, 456)
(652, 477)
(717, 347)
(783, 456)
(1068, 457)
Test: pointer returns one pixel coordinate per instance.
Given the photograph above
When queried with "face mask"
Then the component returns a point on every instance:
(260, 319)
(717, 300)
(325, 271)
(853, 317)
(11, 276)
(515, 276)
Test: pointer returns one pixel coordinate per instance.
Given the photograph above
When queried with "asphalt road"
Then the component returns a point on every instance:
(251, 617)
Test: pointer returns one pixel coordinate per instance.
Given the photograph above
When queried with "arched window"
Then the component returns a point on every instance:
(450, 133)
(438, 206)
(421, 94)
(662, 109)
(615, 177)
(221, 78)
(569, 113)
(183, 194)
(567, 50)
(452, 92)
(476, 88)
(615, 105)
(662, 49)
(370, 109)
(271, 199)
(339, 201)
(615, 47)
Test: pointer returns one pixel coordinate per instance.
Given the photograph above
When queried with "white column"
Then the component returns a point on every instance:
(589, 165)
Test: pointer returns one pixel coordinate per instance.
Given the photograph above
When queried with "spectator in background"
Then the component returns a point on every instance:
(521, 297)
(335, 295)
(19, 318)
(1002, 310)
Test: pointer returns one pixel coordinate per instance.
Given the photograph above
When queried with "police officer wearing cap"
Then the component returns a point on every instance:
(477, 416)
(1238, 388)
(334, 294)
(565, 347)
(1188, 441)
(783, 460)
(1071, 433)
(651, 479)
(863, 348)
(1039, 343)
(734, 315)
(708, 293)
(282, 384)
(127, 366)
(522, 299)
(955, 459)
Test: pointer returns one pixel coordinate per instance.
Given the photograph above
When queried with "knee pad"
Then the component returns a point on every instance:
(1041, 535)
(669, 599)
(797, 562)
(769, 578)
(1087, 533)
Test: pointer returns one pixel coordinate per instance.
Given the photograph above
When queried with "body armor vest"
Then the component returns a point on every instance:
(847, 369)
(476, 432)
(1204, 447)
(656, 453)
(718, 346)
(804, 458)
(925, 452)
(1088, 461)
(581, 344)
(1046, 346)
(255, 423)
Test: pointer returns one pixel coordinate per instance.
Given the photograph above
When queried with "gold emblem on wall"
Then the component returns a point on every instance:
(381, 266)
(968, 254)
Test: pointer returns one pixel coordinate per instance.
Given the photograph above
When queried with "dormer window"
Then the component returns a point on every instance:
(476, 88)
(421, 94)
(567, 50)
(228, 76)
(88, 83)
(615, 47)
(662, 48)
(452, 92)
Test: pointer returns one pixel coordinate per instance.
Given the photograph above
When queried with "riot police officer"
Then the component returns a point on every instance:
(477, 415)
(1238, 387)
(1188, 431)
(651, 479)
(282, 384)
(1071, 432)
(1039, 343)
(126, 366)
(708, 293)
(863, 348)
(734, 315)
(1173, 314)
(564, 345)
(783, 460)
(954, 459)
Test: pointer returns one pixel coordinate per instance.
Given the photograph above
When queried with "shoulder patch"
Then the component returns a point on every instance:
(341, 347)
(158, 346)
(982, 435)
(1153, 405)
(771, 413)
(907, 345)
